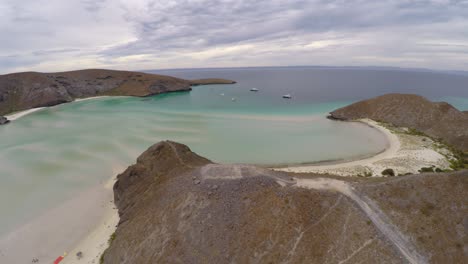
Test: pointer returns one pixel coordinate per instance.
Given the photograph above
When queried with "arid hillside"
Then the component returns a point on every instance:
(21, 91)
(178, 207)
(439, 120)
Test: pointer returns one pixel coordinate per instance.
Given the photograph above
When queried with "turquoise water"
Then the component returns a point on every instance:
(50, 155)
(460, 103)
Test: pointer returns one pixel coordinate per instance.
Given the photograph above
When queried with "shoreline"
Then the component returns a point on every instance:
(405, 153)
(321, 162)
(393, 144)
(82, 224)
(93, 97)
(17, 115)
(93, 245)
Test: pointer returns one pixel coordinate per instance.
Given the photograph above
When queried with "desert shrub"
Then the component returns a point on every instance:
(426, 169)
(412, 131)
(457, 164)
(460, 159)
(111, 239)
(405, 174)
(388, 172)
(365, 174)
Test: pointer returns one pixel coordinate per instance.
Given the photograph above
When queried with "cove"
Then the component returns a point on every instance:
(51, 155)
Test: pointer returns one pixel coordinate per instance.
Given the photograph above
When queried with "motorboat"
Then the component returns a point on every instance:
(254, 90)
(287, 96)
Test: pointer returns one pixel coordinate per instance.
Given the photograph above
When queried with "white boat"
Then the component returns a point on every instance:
(254, 90)
(222, 94)
(287, 96)
(233, 99)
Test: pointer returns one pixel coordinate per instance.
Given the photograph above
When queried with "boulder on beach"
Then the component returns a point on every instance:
(3, 120)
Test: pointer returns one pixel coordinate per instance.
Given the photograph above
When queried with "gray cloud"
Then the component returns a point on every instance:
(208, 33)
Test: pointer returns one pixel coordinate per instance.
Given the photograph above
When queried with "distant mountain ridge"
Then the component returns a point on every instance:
(436, 119)
(22, 91)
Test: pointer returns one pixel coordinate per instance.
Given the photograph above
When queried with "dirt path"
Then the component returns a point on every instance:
(375, 214)
(238, 171)
(369, 207)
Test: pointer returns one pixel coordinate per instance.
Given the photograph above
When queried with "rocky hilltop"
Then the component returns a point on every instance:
(178, 207)
(437, 119)
(21, 91)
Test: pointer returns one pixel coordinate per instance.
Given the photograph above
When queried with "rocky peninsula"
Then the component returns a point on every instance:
(176, 206)
(26, 90)
(438, 120)
(422, 136)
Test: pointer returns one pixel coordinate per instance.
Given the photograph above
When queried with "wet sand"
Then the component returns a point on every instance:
(62, 229)
(404, 153)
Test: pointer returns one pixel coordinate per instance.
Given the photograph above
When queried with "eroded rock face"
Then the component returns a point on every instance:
(176, 206)
(3, 120)
(21, 91)
(436, 119)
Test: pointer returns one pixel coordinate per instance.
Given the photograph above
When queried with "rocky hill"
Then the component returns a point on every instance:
(437, 119)
(178, 207)
(21, 91)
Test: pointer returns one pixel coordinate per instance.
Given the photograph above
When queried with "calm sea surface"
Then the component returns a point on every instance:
(50, 155)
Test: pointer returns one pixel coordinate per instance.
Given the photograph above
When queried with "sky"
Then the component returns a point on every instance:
(59, 35)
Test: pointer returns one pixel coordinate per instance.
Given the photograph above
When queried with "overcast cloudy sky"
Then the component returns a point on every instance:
(53, 35)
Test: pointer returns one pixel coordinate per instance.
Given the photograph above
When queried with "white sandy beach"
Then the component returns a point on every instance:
(95, 242)
(17, 115)
(94, 97)
(20, 114)
(404, 154)
(83, 223)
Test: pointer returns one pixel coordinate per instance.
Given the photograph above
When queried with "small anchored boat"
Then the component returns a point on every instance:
(287, 96)
(233, 99)
(254, 90)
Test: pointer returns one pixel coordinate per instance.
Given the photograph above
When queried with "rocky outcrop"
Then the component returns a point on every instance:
(437, 119)
(176, 206)
(3, 120)
(21, 91)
